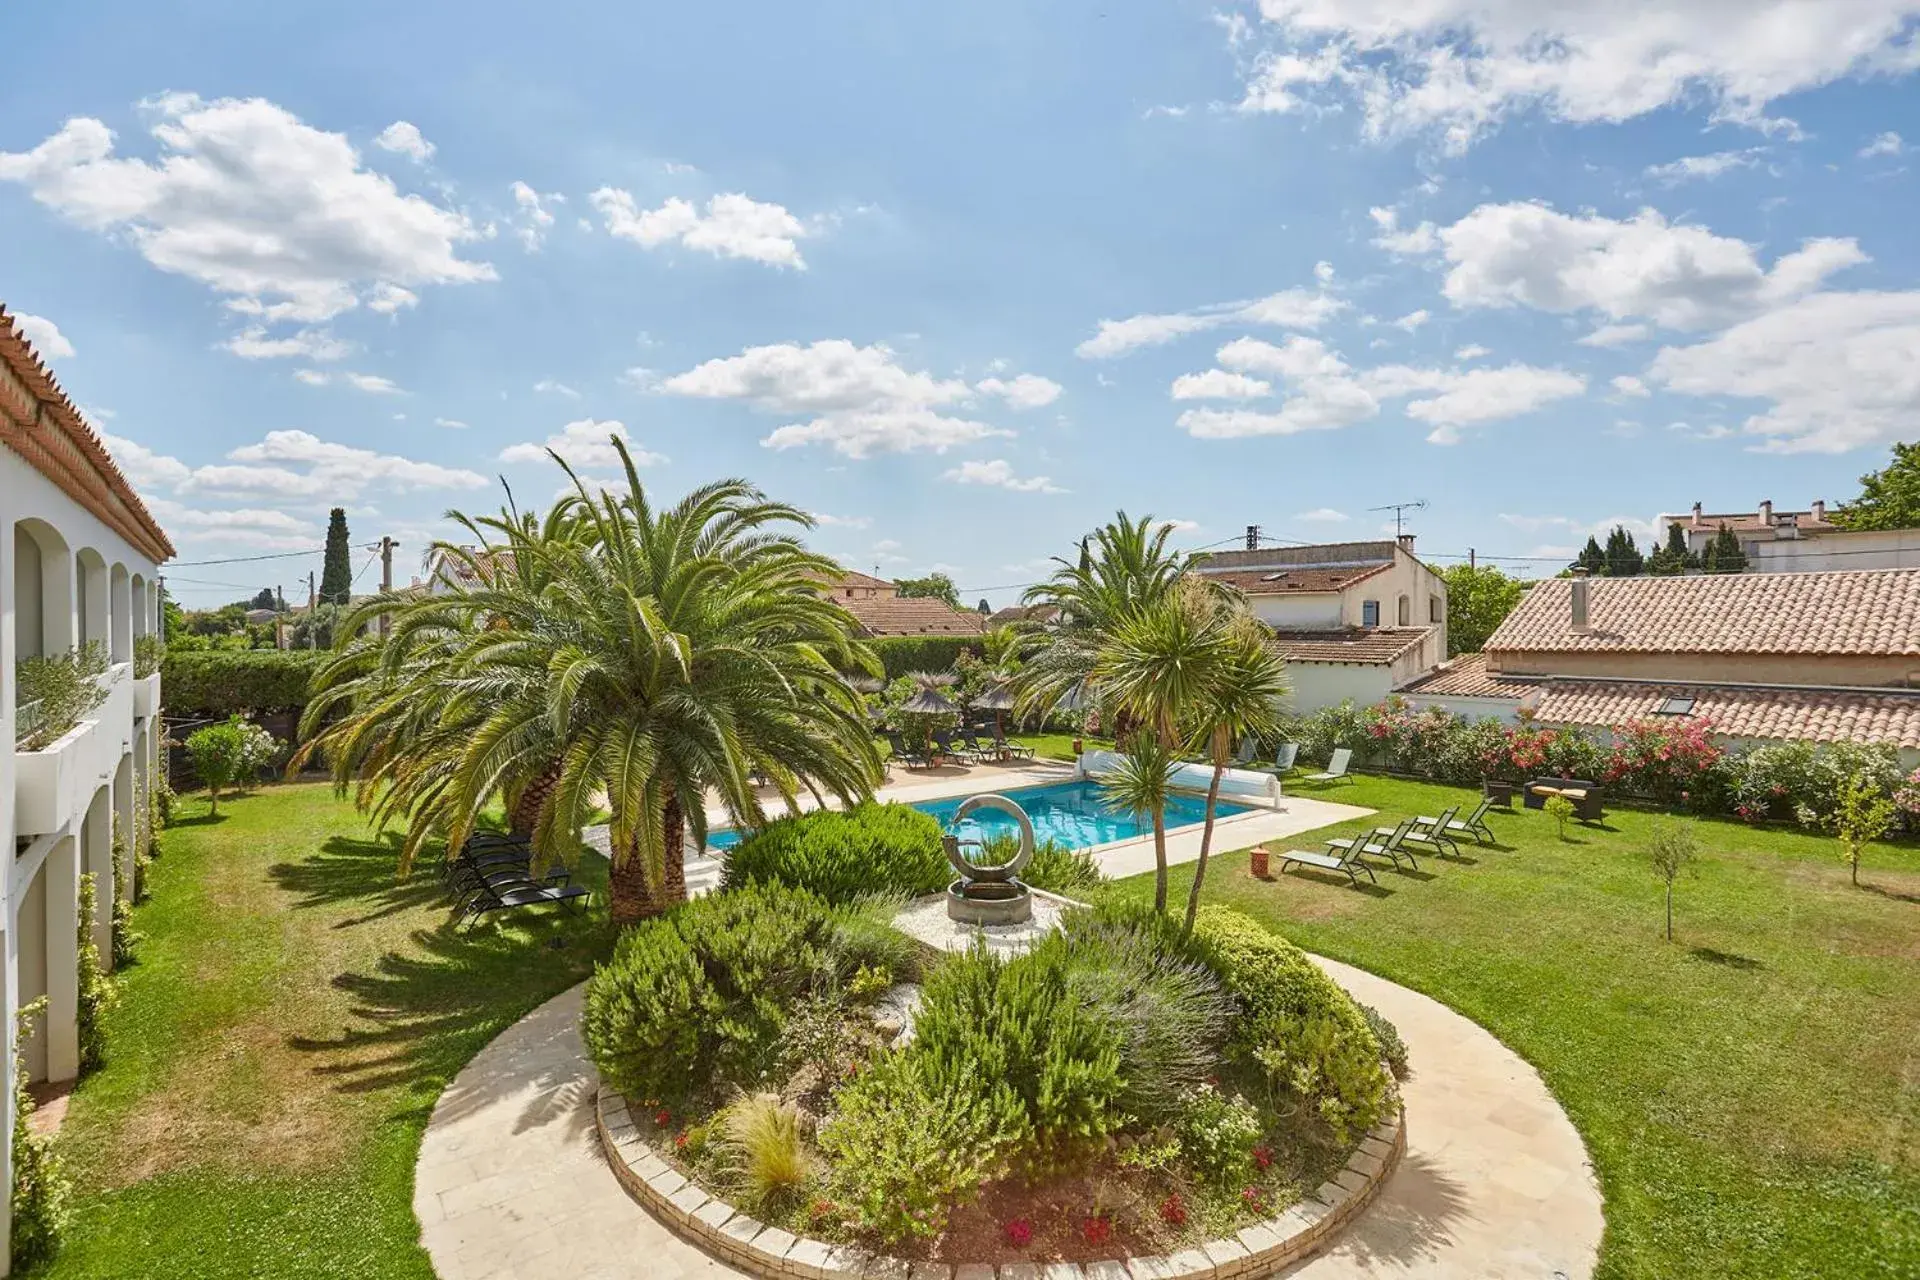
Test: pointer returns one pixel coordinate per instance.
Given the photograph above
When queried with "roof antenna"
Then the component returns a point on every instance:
(1398, 509)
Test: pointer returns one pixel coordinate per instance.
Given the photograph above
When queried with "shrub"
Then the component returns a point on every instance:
(1330, 728)
(1217, 1135)
(903, 654)
(1862, 816)
(1673, 848)
(62, 690)
(1298, 1029)
(232, 752)
(97, 992)
(40, 1186)
(914, 1135)
(1393, 1050)
(149, 651)
(126, 939)
(224, 683)
(1026, 1025)
(1560, 809)
(695, 1001)
(1055, 868)
(1667, 759)
(842, 854)
(760, 1143)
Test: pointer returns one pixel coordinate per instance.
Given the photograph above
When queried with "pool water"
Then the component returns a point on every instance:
(1072, 814)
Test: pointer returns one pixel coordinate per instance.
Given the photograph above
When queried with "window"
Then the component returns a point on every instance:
(1369, 613)
(1433, 608)
(1405, 611)
(1678, 706)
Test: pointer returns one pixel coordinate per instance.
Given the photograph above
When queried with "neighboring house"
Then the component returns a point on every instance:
(881, 610)
(1354, 619)
(1818, 657)
(1039, 615)
(446, 574)
(79, 564)
(1799, 541)
(262, 617)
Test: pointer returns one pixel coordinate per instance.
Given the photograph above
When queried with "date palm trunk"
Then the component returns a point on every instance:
(631, 894)
(525, 814)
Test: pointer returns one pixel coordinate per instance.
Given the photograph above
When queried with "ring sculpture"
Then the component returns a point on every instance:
(990, 894)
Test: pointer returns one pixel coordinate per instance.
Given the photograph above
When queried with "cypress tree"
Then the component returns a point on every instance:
(1623, 557)
(1724, 554)
(336, 572)
(1671, 559)
(1592, 558)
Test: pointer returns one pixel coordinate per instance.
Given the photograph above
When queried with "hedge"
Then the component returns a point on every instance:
(221, 682)
(842, 854)
(902, 654)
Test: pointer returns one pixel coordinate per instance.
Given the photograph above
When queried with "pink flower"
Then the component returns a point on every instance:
(1263, 1158)
(1173, 1210)
(1096, 1230)
(662, 1118)
(1019, 1233)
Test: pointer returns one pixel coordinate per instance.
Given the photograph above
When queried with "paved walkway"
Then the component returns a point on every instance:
(1494, 1185)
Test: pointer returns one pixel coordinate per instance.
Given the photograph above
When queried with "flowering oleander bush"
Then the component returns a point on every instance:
(1665, 757)
(1907, 797)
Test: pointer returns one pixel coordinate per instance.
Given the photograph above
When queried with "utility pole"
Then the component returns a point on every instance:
(386, 576)
(313, 597)
(1470, 559)
(1253, 537)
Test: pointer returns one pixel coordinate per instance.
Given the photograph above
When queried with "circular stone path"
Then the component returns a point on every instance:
(1495, 1183)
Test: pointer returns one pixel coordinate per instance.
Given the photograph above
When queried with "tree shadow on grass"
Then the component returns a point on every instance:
(1725, 958)
(199, 820)
(1897, 895)
(358, 871)
(1334, 880)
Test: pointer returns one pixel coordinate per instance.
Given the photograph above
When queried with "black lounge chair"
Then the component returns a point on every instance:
(981, 743)
(1010, 748)
(947, 747)
(907, 755)
(1431, 832)
(1475, 823)
(513, 897)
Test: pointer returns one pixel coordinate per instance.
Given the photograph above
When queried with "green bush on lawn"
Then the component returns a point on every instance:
(842, 855)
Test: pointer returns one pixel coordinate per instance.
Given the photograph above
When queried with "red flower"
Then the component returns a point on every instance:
(662, 1118)
(1019, 1232)
(680, 1140)
(1255, 1198)
(1173, 1211)
(1263, 1158)
(1097, 1230)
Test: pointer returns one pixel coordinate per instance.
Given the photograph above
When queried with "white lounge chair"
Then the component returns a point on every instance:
(1284, 758)
(1336, 770)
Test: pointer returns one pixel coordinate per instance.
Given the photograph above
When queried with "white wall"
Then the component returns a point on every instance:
(1317, 611)
(1328, 684)
(1871, 549)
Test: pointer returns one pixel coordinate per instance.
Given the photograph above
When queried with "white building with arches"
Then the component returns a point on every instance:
(79, 566)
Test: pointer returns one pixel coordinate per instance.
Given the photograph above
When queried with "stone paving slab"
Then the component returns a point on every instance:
(1495, 1185)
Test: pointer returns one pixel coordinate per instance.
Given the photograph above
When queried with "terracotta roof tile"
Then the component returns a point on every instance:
(854, 578)
(1321, 553)
(1305, 579)
(1467, 677)
(1861, 611)
(1367, 646)
(1811, 715)
(913, 616)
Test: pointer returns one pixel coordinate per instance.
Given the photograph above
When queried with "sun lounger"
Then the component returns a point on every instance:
(1389, 848)
(1284, 758)
(945, 745)
(907, 755)
(1336, 770)
(513, 897)
(1475, 823)
(1431, 832)
(1345, 860)
(1010, 748)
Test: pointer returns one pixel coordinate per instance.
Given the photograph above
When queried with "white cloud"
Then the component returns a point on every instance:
(1024, 391)
(1295, 358)
(371, 382)
(1628, 385)
(826, 521)
(404, 138)
(1680, 277)
(387, 299)
(862, 399)
(45, 335)
(532, 215)
(1181, 526)
(1461, 67)
(453, 424)
(290, 465)
(1412, 320)
(586, 445)
(732, 226)
(252, 527)
(254, 343)
(1472, 351)
(1886, 144)
(311, 377)
(1490, 395)
(1711, 431)
(1288, 309)
(1322, 515)
(556, 388)
(999, 474)
(1391, 237)
(1218, 384)
(1707, 166)
(1616, 335)
(1839, 369)
(278, 216)
(147, 469)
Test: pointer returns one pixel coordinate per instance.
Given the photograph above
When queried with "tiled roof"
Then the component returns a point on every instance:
(1305, 580)
(854, 578)
(1772, 713)
(480, 571)
(1810, 715)
(39, 422)
(1321, 553)
(913, 616)
(1367, 646)
(1040, 613)
(1858, 611)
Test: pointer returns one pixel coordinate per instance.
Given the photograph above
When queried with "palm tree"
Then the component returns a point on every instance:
(1243, 697)
(1139, 784)
(1123, 567)
(667, 654)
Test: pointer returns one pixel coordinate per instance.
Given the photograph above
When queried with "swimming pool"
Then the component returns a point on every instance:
(1070, 813)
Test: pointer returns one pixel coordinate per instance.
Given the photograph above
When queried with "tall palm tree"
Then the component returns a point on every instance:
(1123, 567)
(1242, 698)
(668, 653)
(1140, 784)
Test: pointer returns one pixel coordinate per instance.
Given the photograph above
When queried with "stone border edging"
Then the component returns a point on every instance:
(777, 1254)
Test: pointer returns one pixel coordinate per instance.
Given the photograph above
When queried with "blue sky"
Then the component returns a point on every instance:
(964, 281)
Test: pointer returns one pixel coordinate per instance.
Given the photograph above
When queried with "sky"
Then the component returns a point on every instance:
(964, 280)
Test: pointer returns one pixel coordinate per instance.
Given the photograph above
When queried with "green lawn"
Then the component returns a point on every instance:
(277, 1049)
(1058, 746)
(1750, 1094)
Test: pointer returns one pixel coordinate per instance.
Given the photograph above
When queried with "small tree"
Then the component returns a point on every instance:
(1479, 598)
(1673, 850)
(262, 599)
(1724, 554)
(935, 586)
(1592, 558)
(1889, 498)
(1623, 557)
(1863, 815)
(1560, 809)
(219, 753)
(1672, 558)
(336, 569)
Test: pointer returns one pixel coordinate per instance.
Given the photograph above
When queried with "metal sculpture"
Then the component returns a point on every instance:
(989, 895)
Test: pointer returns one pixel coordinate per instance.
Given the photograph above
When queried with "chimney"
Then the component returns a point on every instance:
(1766, 513)
(1819, 510)
(1697, 518)
(1580, 588)
(1406, 542)
(1253, 537)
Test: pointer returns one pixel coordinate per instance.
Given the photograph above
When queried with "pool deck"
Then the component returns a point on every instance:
(1272, 827)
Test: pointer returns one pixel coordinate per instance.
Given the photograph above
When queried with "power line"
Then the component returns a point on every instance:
(277, 555)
